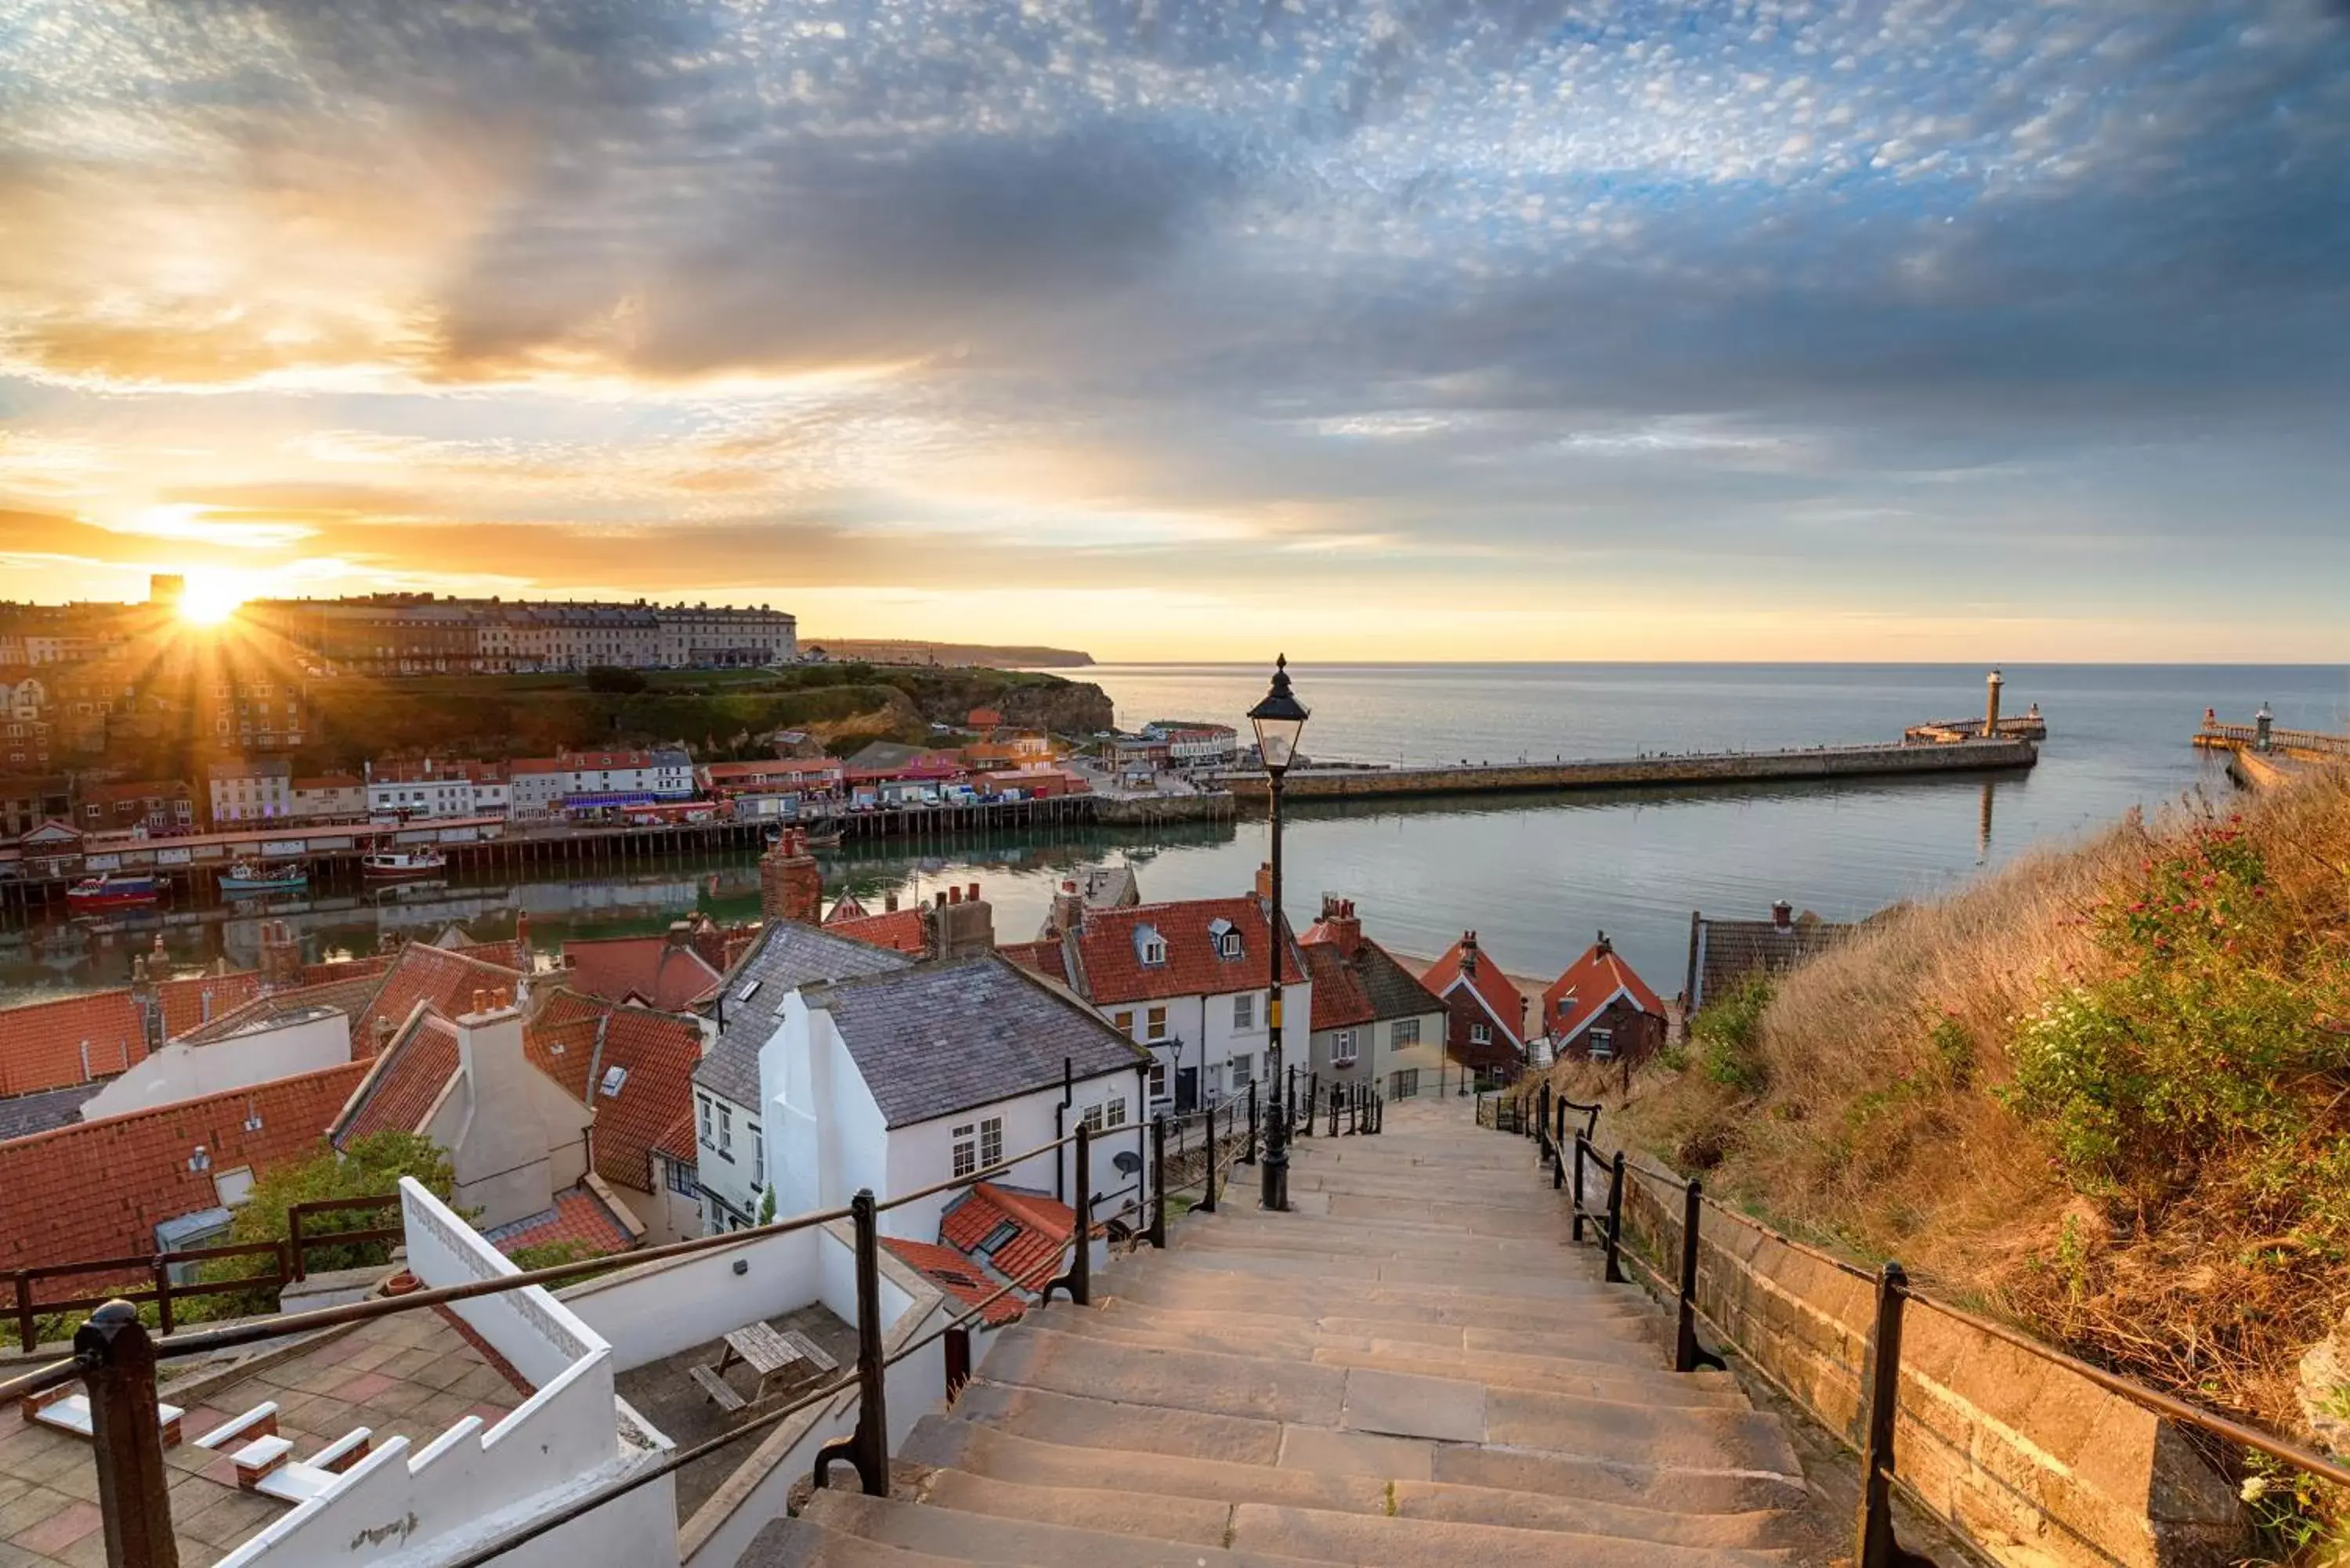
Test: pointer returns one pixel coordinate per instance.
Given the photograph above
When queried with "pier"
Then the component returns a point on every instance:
(1893, 760)
(2263, 737)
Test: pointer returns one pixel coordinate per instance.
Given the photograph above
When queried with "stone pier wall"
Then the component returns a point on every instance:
(1631, 773)
(2030, 1462)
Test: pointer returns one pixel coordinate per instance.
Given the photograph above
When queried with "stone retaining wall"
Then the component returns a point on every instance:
(2025, 1459)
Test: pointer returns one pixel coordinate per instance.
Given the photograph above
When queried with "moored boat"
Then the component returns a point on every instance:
(114, 891)
(392, 863)
(254, 876)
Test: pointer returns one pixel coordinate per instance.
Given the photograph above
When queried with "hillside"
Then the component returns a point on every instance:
(987, 655)
(2104, 1092)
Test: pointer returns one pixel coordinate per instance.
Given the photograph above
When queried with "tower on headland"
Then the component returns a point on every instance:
(1990, 706)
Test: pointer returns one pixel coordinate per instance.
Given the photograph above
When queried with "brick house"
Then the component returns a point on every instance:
(1601, 1011)
(1486, 1016)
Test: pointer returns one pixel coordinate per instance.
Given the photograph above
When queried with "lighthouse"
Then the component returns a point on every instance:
(1990, 706)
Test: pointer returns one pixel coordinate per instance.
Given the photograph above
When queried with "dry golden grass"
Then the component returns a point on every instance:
(1884, 1135)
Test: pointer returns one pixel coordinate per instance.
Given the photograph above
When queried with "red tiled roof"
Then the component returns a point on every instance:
(41, 1042)
(347, 968)
(1339, 1000)
(506, 954)
(98, 1189)
(1590, 984)
(578, 1215)
(577, 1040)
(676, 1141)
(184, 1007)
(1490, 985)
(1110, 959)
(654, 970)
(960, 1277)
(1042, 958)
(444, 978)
(351, 995)
(403, 1084)
(1041, 1229)
(900, 930)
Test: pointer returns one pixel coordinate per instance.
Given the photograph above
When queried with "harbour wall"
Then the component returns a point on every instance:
(1870, 761)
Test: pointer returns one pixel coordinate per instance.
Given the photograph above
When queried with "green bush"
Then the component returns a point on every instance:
(615, 681)
(1727, 1036)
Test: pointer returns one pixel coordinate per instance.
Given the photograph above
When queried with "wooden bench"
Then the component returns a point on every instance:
(716, 1387)
(810, 1351)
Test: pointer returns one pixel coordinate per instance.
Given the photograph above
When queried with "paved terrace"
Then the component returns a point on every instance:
(412, 1375)
(1413, 1367)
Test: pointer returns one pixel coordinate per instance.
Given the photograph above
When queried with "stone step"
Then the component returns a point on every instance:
(1109, 1502)
(1272, 1274)
(1002, 1458)
(977, 1538)
(1650, 1380)
(1381, 1241)
(1163, 1285)
(1635, 1343)
(1205, 1381)
(803, 1544)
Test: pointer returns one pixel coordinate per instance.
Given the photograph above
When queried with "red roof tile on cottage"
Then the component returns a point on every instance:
(444, 979)
(1029, 1231)
(1590, 984)
(1465, 965)
(194, 1002)
(663, 972)
(1043, 958)
(1340, 1002)
(98, 1189)
(960, 1277)
(578, 1041)
(579, 1216)
(1113, 946)
(900, 930)
(41, 1042)
(404, 1083)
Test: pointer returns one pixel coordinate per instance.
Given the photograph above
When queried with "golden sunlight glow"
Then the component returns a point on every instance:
(211, 598)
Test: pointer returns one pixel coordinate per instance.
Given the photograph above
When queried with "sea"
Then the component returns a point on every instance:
(1537, 877)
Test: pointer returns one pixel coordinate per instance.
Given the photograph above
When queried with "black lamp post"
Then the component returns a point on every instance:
(1279, 720)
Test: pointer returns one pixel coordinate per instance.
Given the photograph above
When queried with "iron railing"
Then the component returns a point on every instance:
(116, 1359)
(1873, 1546)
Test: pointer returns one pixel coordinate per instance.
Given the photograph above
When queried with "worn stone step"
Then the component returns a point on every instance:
(804, 1543)
(1109, 1502)
(1633, 1343)
(1399, 1542)
(985, 1451)
(1077, 1421)
(1669, 1439)
(1206, 1381)
(1545, 1256)
(1650, 1380)
(1156, 1284)
(1272, 1274)
(979, 1538)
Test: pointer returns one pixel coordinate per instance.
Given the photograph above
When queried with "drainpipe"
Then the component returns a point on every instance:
(1060, 1125)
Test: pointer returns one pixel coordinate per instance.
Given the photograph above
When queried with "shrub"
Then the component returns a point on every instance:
(612, 681)
(1727, 1034)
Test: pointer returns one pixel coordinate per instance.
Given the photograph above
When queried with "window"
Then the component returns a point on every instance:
(1342, 1048)
(1154, 952)
(1228, 944)
(1403, 1084)
(706, 1134)
(991, 1141)
(682, 1178)
(1241, 1067)
(1125, 1022)
(1157, 1080)
(1117, 1114)
(1244, 1010)
(966, 1149)
(758, 1156)
(1404, 1032)
(1603, 1044)
(726, 1131)
(1480, 1034)
(1093, 1118)
(1156, 1021)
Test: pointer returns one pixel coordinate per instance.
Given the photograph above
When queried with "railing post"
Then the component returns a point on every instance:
(1874, 1547)
(1616, 1220)
(1688, 1354)
(160, 1271)
(1289, 1095)
(1248, 1149)
(868, 1447)
(298, 1267)
(1313, 1096)
(1541, 1124)
(1079, 1281)
(1158, 1182)
(1576, 1231)
(134, 1489)
(1208, 1204)
(26, 1326)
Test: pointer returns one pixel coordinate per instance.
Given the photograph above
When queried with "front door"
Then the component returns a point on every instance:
(1187, 1090)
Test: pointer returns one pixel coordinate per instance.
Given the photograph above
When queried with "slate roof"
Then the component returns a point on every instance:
(1364, 979)
(1721, 952)
(26, 1115)
(98, 1189)
(785, 956)
(936, 1039)
(656, 971)
(1590, 984)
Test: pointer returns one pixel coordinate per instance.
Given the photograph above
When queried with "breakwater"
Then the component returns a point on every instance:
(1890, 760)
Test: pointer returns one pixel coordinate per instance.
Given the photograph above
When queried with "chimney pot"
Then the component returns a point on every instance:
(889, 903)
(481, 1000)
(954, 895)
(1783, 915)
(970, 895)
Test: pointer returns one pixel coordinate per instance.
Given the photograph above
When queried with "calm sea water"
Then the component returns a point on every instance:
(1534, 877)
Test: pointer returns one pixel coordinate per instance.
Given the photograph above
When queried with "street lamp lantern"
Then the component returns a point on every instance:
(1279, 721)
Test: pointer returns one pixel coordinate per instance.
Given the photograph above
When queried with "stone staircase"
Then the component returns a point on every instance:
(1413, 1366)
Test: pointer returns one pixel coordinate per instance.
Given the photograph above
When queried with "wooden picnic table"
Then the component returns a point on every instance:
(781, 1356)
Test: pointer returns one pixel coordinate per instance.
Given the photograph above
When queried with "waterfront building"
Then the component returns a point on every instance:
(774, 786)
(1601, 1011)
(249, 789)
(1373, 1020)
(27, 800)
(1186, 980)
(330, 798)
(429, 787)
(1194, 744)
(154, 807)
(1485, 1024)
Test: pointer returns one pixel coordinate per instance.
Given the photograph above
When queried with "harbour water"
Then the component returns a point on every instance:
(1534, 876)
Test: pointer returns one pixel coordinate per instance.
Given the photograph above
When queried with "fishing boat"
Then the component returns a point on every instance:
(114, 891)
(257, 877)
(817, 837)
(388, 863)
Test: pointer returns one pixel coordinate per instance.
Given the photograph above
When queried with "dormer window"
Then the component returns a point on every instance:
(1224, 937)
(1151, 945)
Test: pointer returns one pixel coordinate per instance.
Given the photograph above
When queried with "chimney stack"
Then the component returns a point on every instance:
(1469, 953)
(1068, 912)
(281, 956)
(957, 928)
(1604, 945)
(1264, 881)
(1339, 920)
(890, 902)
(1783, 915)
(791, 886)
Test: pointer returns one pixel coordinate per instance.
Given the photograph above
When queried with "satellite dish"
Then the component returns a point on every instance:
(1129, 1163)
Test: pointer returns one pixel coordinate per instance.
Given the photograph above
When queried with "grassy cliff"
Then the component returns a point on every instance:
(2104, 1092)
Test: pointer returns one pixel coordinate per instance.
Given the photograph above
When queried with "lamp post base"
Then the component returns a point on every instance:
(1272, 1191)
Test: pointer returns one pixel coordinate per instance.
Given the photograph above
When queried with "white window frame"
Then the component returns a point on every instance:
(1600, 1043)
(966, 1149)
(1404, 1032)
(1094, 1118)
(1154, 1023)
(1116, 1114)
(1343, 1051)
(991, 1142)
(758, 1157)
(1480, 1034)
(725, 1130)
(1154, 952)
(1244, 1010)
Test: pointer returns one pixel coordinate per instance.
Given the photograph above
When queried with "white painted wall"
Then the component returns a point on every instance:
(183, 1071)
(658, 1309)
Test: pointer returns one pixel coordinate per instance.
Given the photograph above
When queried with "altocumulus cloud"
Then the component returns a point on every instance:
(1532, 288)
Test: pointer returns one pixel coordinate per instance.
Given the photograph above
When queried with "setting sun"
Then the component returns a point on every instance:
(209, 598)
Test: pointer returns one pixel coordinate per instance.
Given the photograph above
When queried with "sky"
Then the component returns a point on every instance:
(1375, 329)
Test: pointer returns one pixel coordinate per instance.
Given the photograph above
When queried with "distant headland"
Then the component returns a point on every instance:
(884, 652)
